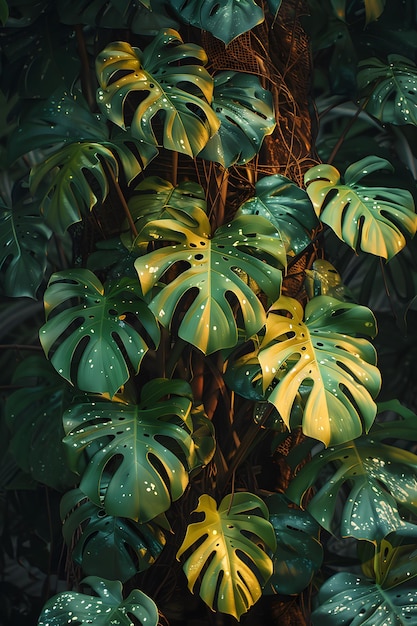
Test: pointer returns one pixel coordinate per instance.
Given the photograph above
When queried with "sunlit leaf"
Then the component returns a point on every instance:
(102, 609)
(228, 551)
(225, 20)
(250, 244)
(373, 219)
(182, 93)
(323, 279)
(139, 455)
(85, 324)
(390, 89)
(115, 548)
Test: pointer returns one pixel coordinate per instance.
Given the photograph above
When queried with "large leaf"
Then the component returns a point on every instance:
(373, 9)
(374, 479)
(347, 599)
(246, 113)
(374, 219)
(228, 551)
(145, 450)
(23, 242)
(105, 608)
(33, 413)
(85, 324)
(287, 206)
(242, 245)
(299, 553)
(323, 354)
(390, 89)
(179, 96)
(225, 20)
(113, 547)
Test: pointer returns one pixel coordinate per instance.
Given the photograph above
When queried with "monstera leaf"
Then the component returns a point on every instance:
(230, 554)
(373, 9)
(246, 113)
(379, 478)
(106, 607)
(374, 219)
(23, 242)
(299, 553)
(225, 20)
(390, 89)
(181, 93)
(82, 339)
(347, 599)
(245, 244)
(146, 452)
(33, 413)
(323, 279)
(113, 547)
(287, 206)
(337, 369)
(155, 198)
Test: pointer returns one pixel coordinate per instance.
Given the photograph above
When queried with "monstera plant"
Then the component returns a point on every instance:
(208, 338)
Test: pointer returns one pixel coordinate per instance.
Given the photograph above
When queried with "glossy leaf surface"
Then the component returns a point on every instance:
(390, 89)
(146, 452)
(373, 219)
(225, 20)
(182, 93)
(246, 113)
(347, 599)
(115, 548)
(378, 477)
(24, 238)
(287, 206)
(245, 244)
(105, 608)
(83, 320)
(230, 555)
(299, 553)
(323, 354)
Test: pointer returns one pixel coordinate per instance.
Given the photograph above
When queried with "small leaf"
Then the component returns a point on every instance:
(4, 11)
(323, 279)
(373, 9)
(225, 20)
(230, 555)
(97, 610)
(79, 337)
(374, 219)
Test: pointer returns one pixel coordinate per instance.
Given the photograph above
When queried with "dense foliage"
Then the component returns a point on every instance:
(176, 412)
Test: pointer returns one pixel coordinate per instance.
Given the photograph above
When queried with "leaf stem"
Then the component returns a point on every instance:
(122, 200)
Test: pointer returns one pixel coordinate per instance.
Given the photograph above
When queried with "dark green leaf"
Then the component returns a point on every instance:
(4, 11)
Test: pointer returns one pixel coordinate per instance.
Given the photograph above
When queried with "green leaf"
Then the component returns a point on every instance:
(33, 414)
(102, 545)
(85, 324)
(155, 198)
(106, 607)
(299, 553)
(347, 599)
(390, 89)
(181, 92)
(374, 479)
(287, 206)
(204, 438)
(323, 279)
(374, 219)
(4, 11)
(24, 239)
(373, 9)
(225, 20)
(145, 452)
(274, 6)
(246, 113)
(323, 354)
(230, 554)
(248, 244)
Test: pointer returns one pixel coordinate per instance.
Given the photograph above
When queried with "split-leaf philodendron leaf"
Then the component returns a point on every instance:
(250, 244)
(373, 219)
(379, 478)
(139, 458)
(104, 608)
(231, 541)
(84, 318)
(337, 369)
(182, 93)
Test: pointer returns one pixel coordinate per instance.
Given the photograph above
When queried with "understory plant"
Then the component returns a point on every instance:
(208, 361)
